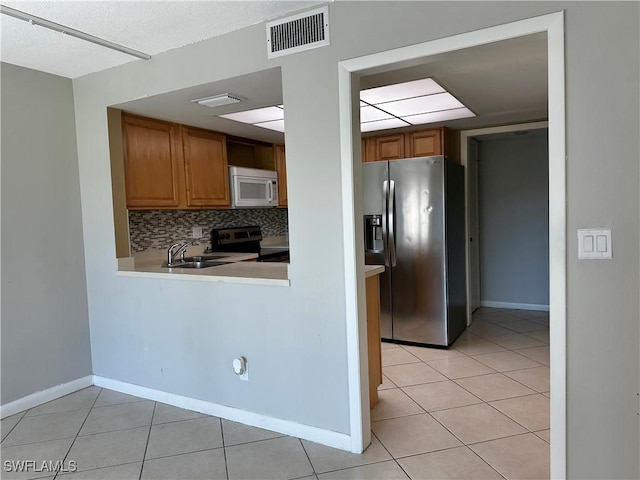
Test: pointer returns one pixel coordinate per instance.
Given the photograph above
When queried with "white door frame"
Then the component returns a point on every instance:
(465, 135)
(355, 310)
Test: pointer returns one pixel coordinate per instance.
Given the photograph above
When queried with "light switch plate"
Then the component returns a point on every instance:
(594, 243)
(196, 232)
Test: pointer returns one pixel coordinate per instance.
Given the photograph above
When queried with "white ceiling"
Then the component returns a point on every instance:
(503, 82)
(151, 27)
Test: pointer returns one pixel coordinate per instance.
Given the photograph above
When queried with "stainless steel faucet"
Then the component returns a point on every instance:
(181, 248)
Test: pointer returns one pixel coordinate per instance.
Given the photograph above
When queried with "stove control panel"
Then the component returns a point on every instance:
(226, 238)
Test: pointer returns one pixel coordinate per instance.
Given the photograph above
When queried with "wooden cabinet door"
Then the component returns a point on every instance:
(369, 149)
(389, 147)
(372, 285)
(281, 168)
(152, 163)
(206, 172)
(424, 143)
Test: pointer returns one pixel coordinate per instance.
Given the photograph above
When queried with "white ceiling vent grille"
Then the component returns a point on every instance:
(298, 33)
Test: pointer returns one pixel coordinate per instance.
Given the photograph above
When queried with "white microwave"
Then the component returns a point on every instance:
(252, 187)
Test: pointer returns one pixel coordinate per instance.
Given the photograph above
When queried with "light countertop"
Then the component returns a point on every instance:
(157, 256)
(371, 270)
(149, 265)
(253, 273)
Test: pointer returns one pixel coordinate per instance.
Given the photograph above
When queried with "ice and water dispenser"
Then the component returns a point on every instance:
(373, 233)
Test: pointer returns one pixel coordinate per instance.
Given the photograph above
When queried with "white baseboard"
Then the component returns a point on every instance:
(286, 427)
(44, 396)
(514, 306)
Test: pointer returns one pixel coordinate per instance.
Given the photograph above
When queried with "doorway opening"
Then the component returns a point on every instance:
(349, 73)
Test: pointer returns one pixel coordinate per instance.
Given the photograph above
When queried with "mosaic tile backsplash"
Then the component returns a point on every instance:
(160, 228)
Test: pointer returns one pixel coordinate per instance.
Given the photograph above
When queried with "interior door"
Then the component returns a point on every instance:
(474, 225)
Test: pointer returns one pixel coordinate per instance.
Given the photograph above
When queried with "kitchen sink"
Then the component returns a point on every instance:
(190, 263)
(204, 258)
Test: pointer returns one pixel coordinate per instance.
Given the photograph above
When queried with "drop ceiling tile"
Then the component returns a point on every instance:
(277, 125)
(382, 125)
(426, 86)
(426, 104)
(371, 114)
(441, 116)
(258, 115)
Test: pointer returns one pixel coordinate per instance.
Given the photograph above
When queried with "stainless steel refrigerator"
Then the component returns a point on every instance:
(414, 225)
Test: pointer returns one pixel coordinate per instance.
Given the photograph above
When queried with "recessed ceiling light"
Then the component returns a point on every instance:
(408, 103)
(441, 116)
(371, 114)
(426, 104)
(277, 125)
(382, 125)
(258, 115)
(381, 108)
(218, 100)
(389, 93)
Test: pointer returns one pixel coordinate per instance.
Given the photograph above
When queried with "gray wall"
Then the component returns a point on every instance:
(45, 326)
(513, 181)
(295, 337)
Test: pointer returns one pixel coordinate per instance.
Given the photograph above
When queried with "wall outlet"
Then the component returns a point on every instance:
(245, 375)
(241, 368)
(196, 232)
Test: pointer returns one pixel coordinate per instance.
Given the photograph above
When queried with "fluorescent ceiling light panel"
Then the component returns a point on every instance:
(441, 116)
(382, 125)
(218, 100)
(259, 115)
(277, 125)
(426, 104)
(400, 91)
(371, 114)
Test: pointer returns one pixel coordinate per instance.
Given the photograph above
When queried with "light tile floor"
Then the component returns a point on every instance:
(477, 410)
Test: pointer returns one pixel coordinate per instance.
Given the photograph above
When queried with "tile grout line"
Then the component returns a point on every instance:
(483, 460)
(13, 428)
(390, 454)
(180, 454)
(224, 451)
(481, 401)
(78, 433)
(146, 445)
(313, 468)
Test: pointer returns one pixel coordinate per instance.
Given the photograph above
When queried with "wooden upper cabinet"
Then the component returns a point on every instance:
(281, 168)
(424, 143)
(206, 173)
(152, 162)
(389, 147)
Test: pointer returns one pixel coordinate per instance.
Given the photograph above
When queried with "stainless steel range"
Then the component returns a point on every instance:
(246, 240)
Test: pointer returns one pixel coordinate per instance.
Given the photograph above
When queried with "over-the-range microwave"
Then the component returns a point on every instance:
(253, 187)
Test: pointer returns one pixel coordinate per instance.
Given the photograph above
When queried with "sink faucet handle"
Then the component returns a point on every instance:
(179, 247)
(183, 249)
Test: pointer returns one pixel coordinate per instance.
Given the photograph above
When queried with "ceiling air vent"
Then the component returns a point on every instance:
(298, 33)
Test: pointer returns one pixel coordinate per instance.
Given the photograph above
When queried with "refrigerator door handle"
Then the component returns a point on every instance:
(385, 209)
(392, 221)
